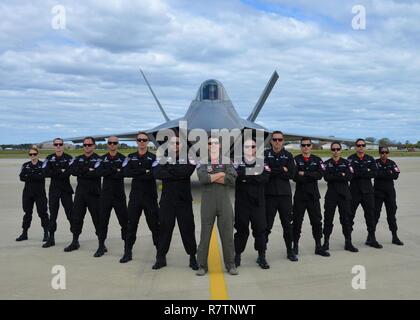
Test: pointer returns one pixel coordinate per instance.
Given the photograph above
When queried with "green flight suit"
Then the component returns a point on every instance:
(215, 202)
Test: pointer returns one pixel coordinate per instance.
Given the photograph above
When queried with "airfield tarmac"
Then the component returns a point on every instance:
(391, 273)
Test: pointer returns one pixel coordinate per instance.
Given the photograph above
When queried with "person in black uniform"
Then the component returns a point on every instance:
(57, 167)
(250, 205)
(33, 192)
(388, 171)
(112, 193)
(175, 204)
(143, 195)
(362, 191)
(309, 169)
(85, 168)
(278, 193)
(338, 173)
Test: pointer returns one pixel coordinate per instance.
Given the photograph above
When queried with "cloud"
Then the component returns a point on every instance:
(85, 79)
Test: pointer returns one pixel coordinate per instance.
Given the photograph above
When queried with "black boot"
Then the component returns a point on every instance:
(237, 259)
(127, 256)
(396, 240)
(160, 263)
(50, 242)
(291, 255)
(326, 245)
(262, 262)
(371, 241)
(101, 249)
(46, 236)
(193, 262)
(74, 245)
(319, 250)
(23, 236)
(349, 246)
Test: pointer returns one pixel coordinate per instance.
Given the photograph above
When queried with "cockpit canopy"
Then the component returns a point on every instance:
(211, 90)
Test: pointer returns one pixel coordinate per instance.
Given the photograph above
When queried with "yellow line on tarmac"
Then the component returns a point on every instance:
(218, 290)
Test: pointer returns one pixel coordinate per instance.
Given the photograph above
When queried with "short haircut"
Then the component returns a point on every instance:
(143, 133)
(305, 139)
(34, 148)
(360, 139)
(383, 148)
(250, 139)
(90, 138)
(335, 142)
(277, 132)
(58, 139)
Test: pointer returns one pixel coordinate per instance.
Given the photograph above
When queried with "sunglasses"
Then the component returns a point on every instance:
(277, 139)
(248, 147)
(360, 145)
(112, 142)
(384, 152)
(142, 140)
(305, 145)
(33, 154)
(88, 144)
(58, 144)
(335, 149)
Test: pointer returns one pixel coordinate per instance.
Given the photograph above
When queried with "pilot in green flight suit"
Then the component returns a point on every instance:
(216, 177)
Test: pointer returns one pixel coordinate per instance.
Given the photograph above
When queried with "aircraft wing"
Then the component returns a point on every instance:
(127, 136)
(292, 136)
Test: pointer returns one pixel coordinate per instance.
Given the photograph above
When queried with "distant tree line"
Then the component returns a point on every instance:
(393, 143)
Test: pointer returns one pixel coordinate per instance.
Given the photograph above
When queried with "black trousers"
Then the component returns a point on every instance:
(118, 203)
(300, 205)
(28, 200)
(282, 204)
(135, 208)
(367, 200)
(54, 197)
(332, 200)
(83, 201)
(182, 212)
(389, 198)
(246, 213)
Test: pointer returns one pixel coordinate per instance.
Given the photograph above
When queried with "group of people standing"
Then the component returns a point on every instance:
(261, 190)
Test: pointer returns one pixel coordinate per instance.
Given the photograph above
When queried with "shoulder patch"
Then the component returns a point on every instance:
(44, 165)
(125, 162)
(155, 163)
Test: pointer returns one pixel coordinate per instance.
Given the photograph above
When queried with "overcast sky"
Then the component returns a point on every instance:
(84, 79)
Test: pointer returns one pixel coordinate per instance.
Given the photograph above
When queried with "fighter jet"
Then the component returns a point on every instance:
(210, 109)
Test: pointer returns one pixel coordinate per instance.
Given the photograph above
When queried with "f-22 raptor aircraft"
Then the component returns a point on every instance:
(211, 109)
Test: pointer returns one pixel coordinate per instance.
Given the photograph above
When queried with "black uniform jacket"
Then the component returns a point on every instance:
(139, 167)
(364, 170)
(176, 181)
(58, 169)
(338, 174)
(307, 185)
(279, 182)
(87, 173)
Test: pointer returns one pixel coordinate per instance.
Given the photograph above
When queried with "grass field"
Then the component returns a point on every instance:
(17, 154)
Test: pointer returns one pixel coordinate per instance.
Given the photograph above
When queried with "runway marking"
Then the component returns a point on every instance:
(218, 289)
